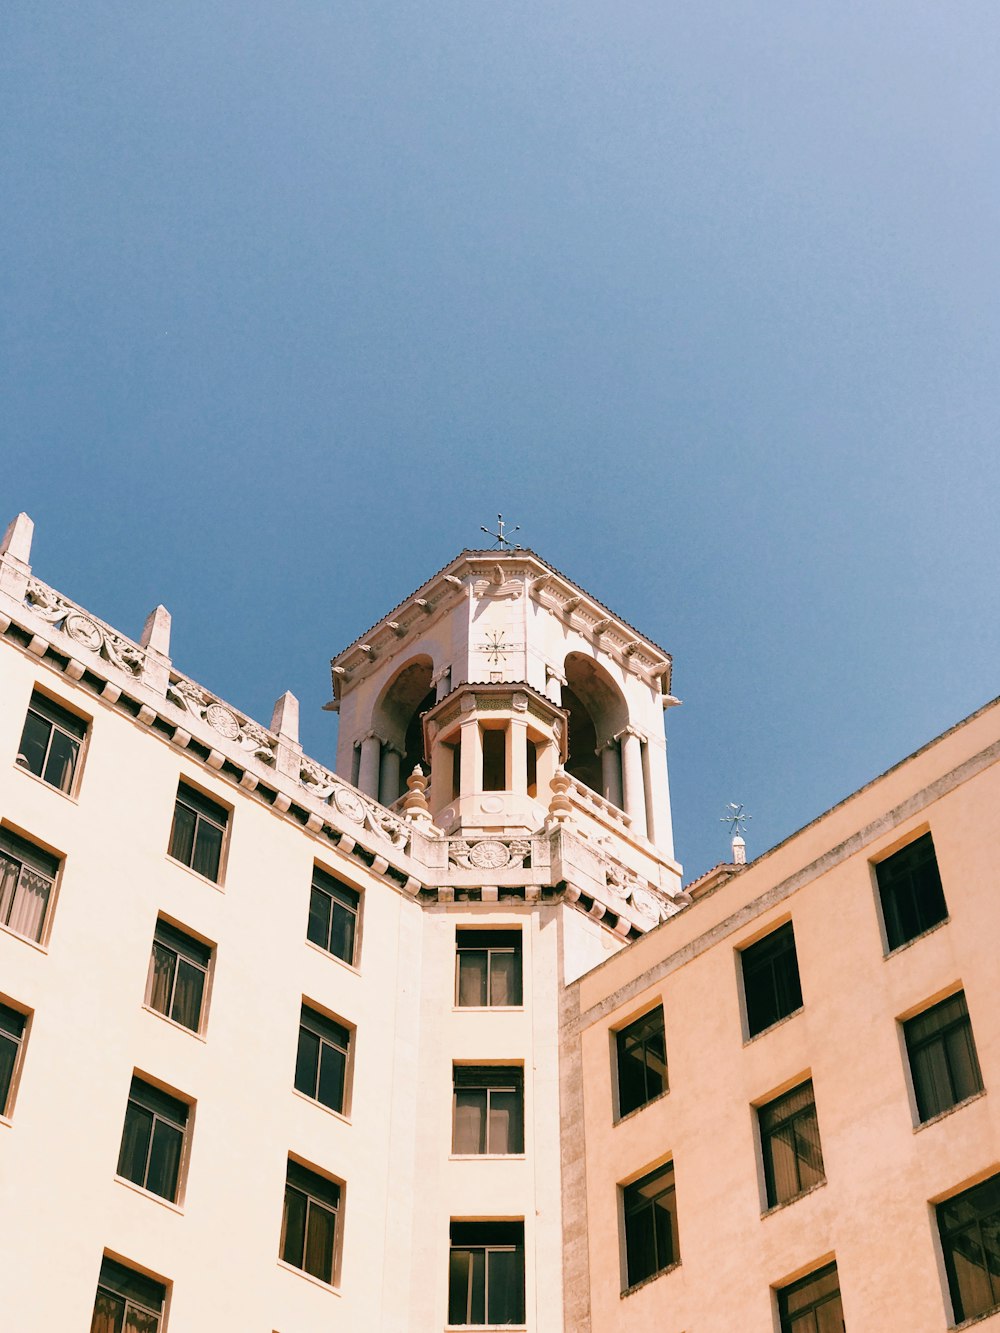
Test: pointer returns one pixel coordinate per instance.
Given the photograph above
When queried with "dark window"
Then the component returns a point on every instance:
(153, 1139)
(486, 1273)
(943, 1059)
(494, 760)
(50, 742)
(789, 1137)
(197, 833)
(127, 1302)
(489, 1109)
(309, 1222)
(333, 915)
(970, 1237)
(651, 1241)
(489, 968)
(178, 974)
(771, 979)
(909, 887)
(642, 1061)
(11, 1037)
(27, 876)
(321, 1063)
(812, 1305)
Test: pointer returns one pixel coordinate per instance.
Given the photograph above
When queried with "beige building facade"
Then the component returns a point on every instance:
(435, 1039)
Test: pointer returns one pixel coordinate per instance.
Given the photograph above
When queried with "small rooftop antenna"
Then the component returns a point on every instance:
(500, 537)
(737, 822)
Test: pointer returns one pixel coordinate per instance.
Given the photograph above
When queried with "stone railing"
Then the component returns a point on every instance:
(83, 629)
(590, 802)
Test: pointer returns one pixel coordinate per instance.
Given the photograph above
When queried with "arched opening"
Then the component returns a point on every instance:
(597, 713)
(397, 718)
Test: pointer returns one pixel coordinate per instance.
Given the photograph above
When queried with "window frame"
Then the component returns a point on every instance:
(339, 893)
(945, 1234)
(47, 866)
(302, 1179)
(8, 1094)
(188, 948)
(510, 941)
(768, 961)
(489, 1079)
(633, 1203)
(783, 1293)
(122, 1286)
(620, 1040)
(507, 1238)
(912, 1045)
(157, 1103)
(766, 1134)
(890, 920)
(324, 1028)
(200, 816)
(74, 726)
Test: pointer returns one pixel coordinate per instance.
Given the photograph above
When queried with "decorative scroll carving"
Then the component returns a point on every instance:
(498, 585)
(232, 726)
(648, 903)
(91, 634)
(324, 785)
(490, 853)
(386, 825)
(318, 781)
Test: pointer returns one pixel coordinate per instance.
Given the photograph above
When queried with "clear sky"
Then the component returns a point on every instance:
(296, 295)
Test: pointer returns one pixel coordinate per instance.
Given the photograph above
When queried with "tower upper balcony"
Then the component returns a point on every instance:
(493, 675)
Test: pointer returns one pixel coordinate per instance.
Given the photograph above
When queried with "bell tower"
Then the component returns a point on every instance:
(496, 675)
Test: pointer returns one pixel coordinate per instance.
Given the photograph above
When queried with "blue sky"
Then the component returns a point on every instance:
(295, 296)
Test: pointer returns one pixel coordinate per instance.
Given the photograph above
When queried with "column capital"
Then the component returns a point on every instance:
(631, 731)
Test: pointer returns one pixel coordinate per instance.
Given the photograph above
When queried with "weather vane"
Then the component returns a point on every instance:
(736, 819)
(500, 537)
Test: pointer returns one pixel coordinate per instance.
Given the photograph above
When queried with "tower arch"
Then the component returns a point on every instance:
(396, 724)
(598, 713)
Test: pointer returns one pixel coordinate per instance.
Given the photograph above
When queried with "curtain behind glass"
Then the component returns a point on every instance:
(293, 1227)
(188, 995)
(207, 850)
(321, 1227)
(135, 1144)
(505, 978)
(27, 914)
(140, 1321)
(472, 977)
(62, 760)
(470, 1107)
(160, 980)
(505, 1287)
(9, 871)
(108, 1314)
(164, 1160)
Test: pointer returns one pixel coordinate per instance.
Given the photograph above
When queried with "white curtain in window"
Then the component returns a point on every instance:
(30, 900)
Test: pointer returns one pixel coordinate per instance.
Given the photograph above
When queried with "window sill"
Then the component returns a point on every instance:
(6, 1120)
(190, 1032)
(316, 1281)
(325, 953)
(787, 1203)
(488, 1328)
(486, 1009)
(644, 1282)
(72, 797)
(777, 1024)
(148, 1194)
(977, 1318)
(943, 1115)
(25, 939)
(203, 879)
(312, 1101)
(630, 1115)
(908, 944)
(485, 1157)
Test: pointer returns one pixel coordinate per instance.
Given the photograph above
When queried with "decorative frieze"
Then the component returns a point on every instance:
(84, 630)
(229, 724)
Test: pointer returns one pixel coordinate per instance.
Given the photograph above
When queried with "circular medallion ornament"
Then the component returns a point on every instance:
(223, 721)
(84, 631)
(489, 855)
(644, 903)
(349, 804)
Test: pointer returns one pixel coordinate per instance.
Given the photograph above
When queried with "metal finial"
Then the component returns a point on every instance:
(736, 819)
(500, 537)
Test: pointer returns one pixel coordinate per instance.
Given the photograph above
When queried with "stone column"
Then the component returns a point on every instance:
(371, 753)
(517, 755)
(471, 777)
(635, 795)
(661, 832)
(285, 725)
(15, 558)
(156, 641)
(388, 787)
(611, 773)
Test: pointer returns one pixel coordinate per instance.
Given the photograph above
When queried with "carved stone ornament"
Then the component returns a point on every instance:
(349, 803)
(230, 725)
(316, 780)
(386, 825)
(621, 883)
(220, 719)
(489, 855)
(83, 629)
(651, 905)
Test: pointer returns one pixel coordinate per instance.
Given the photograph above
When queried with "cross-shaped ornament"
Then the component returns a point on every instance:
(500, 537)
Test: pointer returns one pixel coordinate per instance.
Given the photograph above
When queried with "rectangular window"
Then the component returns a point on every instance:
(50, 742)
(942, 1053)
(27, 878)
(486, 1273)
(494, 759)
(651, 1239)
(970, 1238)
(11, 1039)
(333, 915)
(153, 1139)
(642, 1061)
(812, 1305)
(309, 1222)
(178, 975)
(488, 968)
(909, 888)
(771, 979)
(789, 1138)
(198, 832)
(489, 1110)
(127, 1302)
(321, 1062)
